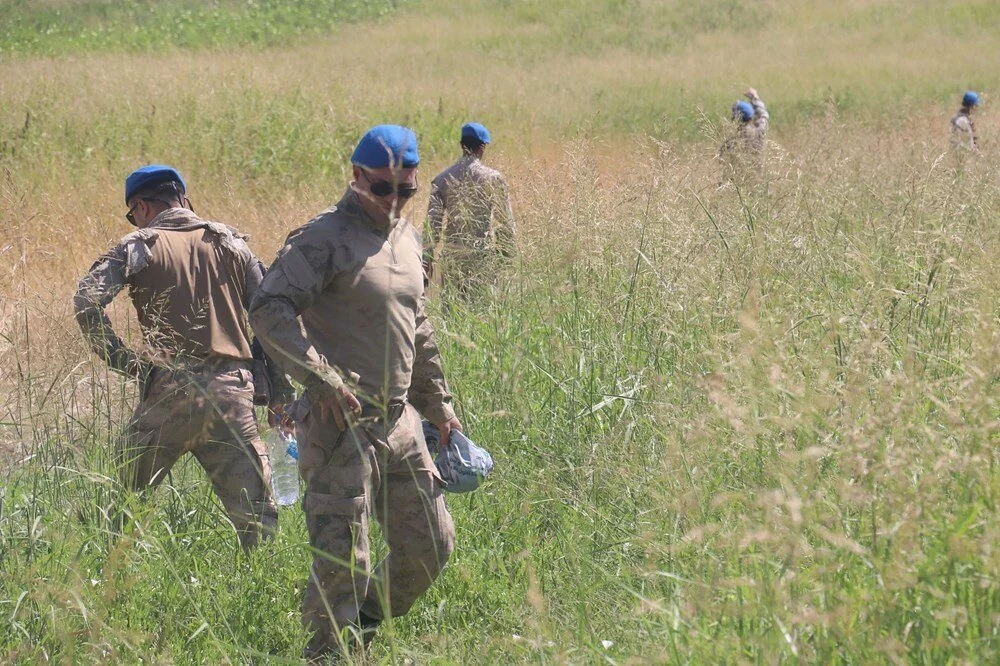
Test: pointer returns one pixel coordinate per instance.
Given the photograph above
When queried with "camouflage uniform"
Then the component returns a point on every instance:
(745, 146)
(470, 210)
(190, 282)
(963, 131)
(357, 285)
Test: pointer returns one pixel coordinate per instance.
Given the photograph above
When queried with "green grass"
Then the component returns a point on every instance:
(64, 26)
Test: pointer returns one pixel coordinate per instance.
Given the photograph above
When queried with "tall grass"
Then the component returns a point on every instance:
(735, 422)
(755, 423)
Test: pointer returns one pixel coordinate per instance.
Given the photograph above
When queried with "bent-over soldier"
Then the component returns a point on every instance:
(752, 120)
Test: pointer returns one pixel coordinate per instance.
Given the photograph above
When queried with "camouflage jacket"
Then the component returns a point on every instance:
(191, 282)
(357, 285)
(749, 136)
(470, 209)
(963, 131)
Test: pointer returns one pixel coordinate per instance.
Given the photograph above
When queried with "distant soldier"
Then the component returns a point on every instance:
(752, 121)
(963, 130)
(365, 352)
(470, 212)
(190, 282)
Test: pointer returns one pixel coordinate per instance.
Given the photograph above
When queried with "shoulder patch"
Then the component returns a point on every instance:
(145, 235)
(135, 250)
(225, 230)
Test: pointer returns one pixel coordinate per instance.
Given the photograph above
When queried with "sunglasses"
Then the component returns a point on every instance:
(384, 188)
(130, 215)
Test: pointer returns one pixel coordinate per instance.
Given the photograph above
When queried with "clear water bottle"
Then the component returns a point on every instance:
(284, 454)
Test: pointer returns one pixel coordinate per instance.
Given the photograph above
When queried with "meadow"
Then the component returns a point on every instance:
(734, 422)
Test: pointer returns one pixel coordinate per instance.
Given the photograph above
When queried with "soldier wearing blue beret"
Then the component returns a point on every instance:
(744, 145)
(963, 130)
(190, 281)
(470, 216)
(365, 351)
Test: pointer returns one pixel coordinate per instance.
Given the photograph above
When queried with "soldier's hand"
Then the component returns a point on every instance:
(751, 93)
(342, 405)
(277, 415)
(446, 428)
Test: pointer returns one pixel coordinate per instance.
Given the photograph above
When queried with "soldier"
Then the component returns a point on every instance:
(470, 210)
(752, 121)
(190, 282)
(366, 354)
(963, 130)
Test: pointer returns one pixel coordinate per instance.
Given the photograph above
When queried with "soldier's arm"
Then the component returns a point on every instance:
(435, 220)
(760, 115)
(298, 275)
(428, 388)
(94, 292)
(282, 391)
(506, 229)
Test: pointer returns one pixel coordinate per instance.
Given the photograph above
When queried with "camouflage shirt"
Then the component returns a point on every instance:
(357, 285)
(190, 281)
(470, 208)
(963, 131)
(749, 136)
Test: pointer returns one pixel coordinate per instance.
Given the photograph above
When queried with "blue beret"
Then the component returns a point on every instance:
(149, 176)
(475, 132)
(380, 141)
(743, 110)
(970, 99)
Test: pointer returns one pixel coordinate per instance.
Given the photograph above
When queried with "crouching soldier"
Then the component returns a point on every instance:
(743, 150)
(190, 282)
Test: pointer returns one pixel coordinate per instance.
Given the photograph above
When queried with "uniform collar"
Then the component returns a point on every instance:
(175, 218)
(350, 205)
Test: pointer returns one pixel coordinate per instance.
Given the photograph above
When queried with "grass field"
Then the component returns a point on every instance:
(755, 423)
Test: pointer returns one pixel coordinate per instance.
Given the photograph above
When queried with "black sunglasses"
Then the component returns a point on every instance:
(130, 215)
(383, 188)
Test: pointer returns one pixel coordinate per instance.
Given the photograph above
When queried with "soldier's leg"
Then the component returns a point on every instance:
(155, 437)
(234, 457)
(339, 469)
(411, 509)
(237, 471)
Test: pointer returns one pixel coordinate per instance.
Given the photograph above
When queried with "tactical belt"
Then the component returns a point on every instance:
(213, 366)
(376, 413)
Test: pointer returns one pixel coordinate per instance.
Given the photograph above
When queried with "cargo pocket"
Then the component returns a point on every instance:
(324, 504)
(337, 526)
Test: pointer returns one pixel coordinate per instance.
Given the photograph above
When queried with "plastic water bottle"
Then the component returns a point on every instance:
(284, 453)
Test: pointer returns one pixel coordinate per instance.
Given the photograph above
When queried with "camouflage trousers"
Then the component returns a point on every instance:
(211, 416)
(371, 469)
(468, 274)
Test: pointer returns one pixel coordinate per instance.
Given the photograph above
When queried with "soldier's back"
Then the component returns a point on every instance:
(190, 295)
(470, 191)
